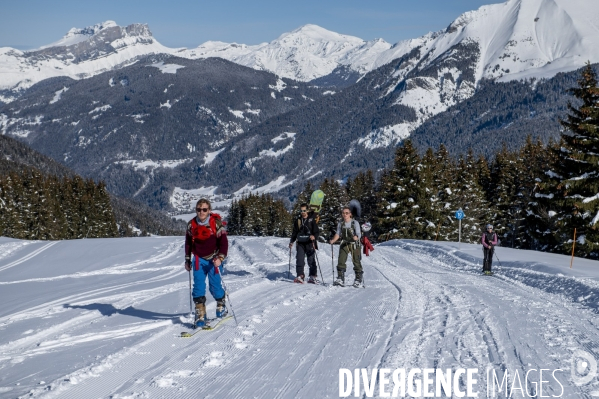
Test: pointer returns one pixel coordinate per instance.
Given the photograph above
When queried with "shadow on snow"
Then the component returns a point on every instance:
(108, 310)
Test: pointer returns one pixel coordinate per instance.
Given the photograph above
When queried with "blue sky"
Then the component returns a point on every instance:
(176, 23)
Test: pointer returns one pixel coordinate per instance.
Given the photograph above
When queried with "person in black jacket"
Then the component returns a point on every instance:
(305, 231)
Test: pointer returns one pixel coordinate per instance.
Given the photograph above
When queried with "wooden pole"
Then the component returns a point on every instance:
(438, 226)
(573, 244)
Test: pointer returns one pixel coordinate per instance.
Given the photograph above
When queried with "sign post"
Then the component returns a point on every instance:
(459, 215)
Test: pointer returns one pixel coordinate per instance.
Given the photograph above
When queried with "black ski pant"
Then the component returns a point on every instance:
(488, 259)
(305, 250)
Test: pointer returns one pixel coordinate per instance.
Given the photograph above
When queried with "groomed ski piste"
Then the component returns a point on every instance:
(102, 318)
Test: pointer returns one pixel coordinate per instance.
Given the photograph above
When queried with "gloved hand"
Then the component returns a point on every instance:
(290, 245)
(188, 264)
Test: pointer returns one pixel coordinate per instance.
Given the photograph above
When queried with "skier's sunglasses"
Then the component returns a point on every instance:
(202, 209)
(346, 213)
(303, 210)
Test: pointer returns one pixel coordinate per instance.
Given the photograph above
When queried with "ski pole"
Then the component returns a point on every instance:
(289, 270)
(498, 261)
(318, 263)
(190, 296)
(332, 263)
(228, 299)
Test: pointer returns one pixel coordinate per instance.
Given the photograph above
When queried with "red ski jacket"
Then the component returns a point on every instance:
(204, 242)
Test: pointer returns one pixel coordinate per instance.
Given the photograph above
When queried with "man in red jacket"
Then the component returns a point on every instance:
(206, 239)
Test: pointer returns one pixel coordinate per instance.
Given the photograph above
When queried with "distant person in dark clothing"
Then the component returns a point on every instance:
(489, 241)
(305, 232)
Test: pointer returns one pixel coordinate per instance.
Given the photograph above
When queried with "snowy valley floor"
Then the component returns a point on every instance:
(101, 319)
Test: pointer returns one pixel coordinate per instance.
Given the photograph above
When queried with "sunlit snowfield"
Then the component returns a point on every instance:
(101, 318)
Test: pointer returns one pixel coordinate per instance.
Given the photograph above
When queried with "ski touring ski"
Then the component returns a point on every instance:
(210, 325)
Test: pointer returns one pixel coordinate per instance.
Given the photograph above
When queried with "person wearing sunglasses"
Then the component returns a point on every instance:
(206, 247)
(489, 241)
(348, 230)
(305, 232)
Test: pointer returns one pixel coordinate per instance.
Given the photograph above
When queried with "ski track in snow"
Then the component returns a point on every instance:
(109, 334)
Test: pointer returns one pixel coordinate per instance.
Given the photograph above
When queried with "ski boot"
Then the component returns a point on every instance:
(299, 279)
(200, 317)
(358, 281)
(340, 282)
(221, 308)
(313, 280)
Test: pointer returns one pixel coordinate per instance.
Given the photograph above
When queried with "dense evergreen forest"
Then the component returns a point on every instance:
(42, 199)
(536, 197)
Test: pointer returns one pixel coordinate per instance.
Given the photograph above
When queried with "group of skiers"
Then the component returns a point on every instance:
(206, 247)
(306, 233)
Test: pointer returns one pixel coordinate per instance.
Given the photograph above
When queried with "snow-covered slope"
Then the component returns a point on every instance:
(304, 54)
(79, 54)
(512, 40)
(516, 39)
(102, 318)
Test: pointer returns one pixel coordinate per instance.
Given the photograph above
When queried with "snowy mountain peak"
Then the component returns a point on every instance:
(105, 29)
(526, 38)
(91, 30)
(315, 32)
(77, 35)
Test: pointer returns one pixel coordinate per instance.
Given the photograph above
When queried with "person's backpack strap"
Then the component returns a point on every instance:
(353, 226)
(217, 225)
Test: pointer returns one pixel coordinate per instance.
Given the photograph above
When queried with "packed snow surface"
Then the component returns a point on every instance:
(103, 317)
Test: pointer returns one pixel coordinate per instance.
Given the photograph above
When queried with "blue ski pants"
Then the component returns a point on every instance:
(206, 268)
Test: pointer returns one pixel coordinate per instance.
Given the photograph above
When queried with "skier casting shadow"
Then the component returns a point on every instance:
(489, 241)
(305, 231)
(206, 239)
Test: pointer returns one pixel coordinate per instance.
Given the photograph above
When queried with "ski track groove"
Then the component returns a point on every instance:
(294, 337)
(29, 256)
(42, 310)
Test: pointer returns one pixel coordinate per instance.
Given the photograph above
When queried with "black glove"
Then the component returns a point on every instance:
(188, 264)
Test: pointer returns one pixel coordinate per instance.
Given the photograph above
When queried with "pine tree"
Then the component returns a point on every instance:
(335, 197)
(363, 189)
(470, 197)
(576, 195)
(234, 220)
(531, 163)
(504, 185)
(430, 209)
(445, 205)
(398, 213)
